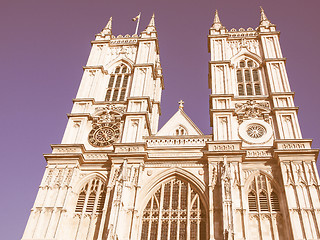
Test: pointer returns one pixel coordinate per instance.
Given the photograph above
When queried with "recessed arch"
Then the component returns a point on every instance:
(244, 52)
(261, 172)
(77, 188)
(172, 203)
(117, 61)
(148, 189)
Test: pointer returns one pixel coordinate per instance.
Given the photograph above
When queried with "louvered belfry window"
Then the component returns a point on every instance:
(248, 78)
(91, 197)
(261, 196)
(118, 82)
(174, 212)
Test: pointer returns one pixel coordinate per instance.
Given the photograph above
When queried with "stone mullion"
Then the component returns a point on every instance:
(170, 208)
(150, 218)
(94, 211)
(84, 208)
(258, 205)
(272, 224)
(314, 217)
(160, 211)
(188, 211)
(179, 210)
(104, 212)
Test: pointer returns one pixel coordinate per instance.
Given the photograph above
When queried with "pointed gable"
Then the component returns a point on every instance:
(179, 124)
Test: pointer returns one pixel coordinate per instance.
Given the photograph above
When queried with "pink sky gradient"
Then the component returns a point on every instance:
(44, 45)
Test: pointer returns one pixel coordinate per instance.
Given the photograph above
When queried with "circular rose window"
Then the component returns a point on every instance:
(255, 131)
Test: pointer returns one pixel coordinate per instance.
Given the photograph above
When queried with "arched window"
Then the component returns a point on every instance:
(261, 196)
(248, 78)
(175, 211)
(91, 197)
(180, 131)
(117, 86)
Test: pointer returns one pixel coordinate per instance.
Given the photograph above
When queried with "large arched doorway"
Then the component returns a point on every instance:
(174, 211)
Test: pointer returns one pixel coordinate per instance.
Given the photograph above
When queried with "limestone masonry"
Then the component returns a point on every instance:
(115, 176)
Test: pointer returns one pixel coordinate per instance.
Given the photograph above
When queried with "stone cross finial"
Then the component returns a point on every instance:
(181, 104)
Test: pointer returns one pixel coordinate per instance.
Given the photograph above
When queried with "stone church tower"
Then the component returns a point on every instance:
(115, 176)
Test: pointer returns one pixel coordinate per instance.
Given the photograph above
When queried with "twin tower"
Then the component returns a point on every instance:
(116, 177)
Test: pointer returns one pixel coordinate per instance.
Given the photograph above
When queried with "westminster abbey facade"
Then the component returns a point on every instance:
(115, 176)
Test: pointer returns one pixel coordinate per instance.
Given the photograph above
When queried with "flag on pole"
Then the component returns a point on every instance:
(136, 18)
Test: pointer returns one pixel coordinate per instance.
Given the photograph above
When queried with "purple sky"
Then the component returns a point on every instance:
(44, 45)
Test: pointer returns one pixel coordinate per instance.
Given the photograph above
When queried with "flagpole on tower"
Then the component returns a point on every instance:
(135, 19)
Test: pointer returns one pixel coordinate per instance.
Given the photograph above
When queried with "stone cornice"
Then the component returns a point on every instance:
(275, 109)
(98, 67)
(266, 60)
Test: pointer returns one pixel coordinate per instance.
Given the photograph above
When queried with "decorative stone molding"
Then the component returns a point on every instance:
(218, 147)
(120, 148)
(258, 153)
(252, 109)
(172, 142)
(123, 41)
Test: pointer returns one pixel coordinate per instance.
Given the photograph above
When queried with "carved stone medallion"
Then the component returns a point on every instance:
(104, 135)
(105, 126)
(255, 131)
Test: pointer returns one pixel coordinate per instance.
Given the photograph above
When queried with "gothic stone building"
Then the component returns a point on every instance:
(115, 176)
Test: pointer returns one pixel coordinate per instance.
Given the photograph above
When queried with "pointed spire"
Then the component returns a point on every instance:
(216, 22)
(109, 24)
(108, 28)
(151, 27)
(216, 17)
(264, 21)
(151, 23)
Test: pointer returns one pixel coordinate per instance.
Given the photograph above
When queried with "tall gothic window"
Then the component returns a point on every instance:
(118, 82)
(261, 196)
(91, 198)
(265, 220)
(248, 78)
(174, 212)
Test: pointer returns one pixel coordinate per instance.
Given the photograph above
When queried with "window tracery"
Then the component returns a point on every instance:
(261, 196)
(117, 86)
(173, 207)
(248, 78)
(91, 197)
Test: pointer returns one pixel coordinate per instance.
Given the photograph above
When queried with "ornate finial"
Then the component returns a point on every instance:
(216, 22)
(264, 21)
(181, 104)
